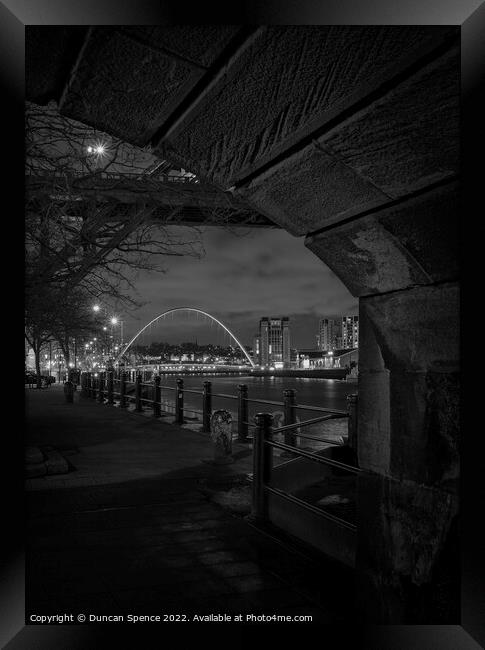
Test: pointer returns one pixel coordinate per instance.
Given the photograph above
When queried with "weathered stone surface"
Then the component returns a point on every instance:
(417, 330)
(290, 81)
(221, 435)
(309, 190)
(412, 243)
(373, 406)
(125, 88)
(407, 552)
(425, 428)
(198, 44)
(411, 137)
(374, 433)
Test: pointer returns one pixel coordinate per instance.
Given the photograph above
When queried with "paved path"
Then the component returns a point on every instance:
(131, 529)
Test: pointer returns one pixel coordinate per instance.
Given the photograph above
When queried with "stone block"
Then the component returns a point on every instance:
(374, 421)
(310, 189)
(409, 244)
(425, 428)
(418, 329)
(407, 553)
(290, 81)
(410, 137)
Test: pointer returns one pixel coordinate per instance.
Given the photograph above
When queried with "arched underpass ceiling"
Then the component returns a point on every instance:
(326, 130)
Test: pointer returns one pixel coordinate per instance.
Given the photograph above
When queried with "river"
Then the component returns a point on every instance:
(326, 393)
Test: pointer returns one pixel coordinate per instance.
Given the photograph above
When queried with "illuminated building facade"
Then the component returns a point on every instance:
(338, 333)
(274, 336)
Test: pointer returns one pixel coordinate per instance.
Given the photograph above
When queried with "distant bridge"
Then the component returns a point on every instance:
(187, 309)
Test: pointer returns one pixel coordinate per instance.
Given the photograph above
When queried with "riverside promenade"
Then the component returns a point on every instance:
(143, 523)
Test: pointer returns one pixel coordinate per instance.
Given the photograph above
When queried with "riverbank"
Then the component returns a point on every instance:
(321, 373)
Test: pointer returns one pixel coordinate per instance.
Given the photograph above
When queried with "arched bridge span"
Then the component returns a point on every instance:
(190, 309)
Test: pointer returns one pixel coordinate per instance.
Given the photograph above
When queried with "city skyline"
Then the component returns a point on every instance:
(242, 278)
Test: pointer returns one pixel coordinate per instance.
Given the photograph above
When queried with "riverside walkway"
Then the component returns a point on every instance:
(137, 526)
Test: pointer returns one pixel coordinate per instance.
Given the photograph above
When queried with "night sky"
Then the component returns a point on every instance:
(240, 278)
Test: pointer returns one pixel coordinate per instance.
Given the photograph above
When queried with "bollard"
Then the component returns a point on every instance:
(138, 402)
(262, 460)
(110, 388)
(157, 397)
(179, 402)
(207, 407)
(221, 435)
(242, 413)
(100, 389)
(69, 391)
(289, 398)
(123, 404)
(352, 423)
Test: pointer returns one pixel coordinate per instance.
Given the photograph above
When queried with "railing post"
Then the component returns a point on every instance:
(157, 397)
(138, 403)
(101, 389)
(262, 456)
(352, 423)
(93, 387)
(290, 415)
(179, 402)
(207, 407)
(123, 390)
(110, 387)
(242, 413)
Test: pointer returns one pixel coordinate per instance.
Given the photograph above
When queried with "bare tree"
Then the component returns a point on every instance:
(98, 211)
(98, 207)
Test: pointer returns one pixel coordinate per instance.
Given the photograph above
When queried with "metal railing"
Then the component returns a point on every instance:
(135, 176)
(263, 464)
(105, 387)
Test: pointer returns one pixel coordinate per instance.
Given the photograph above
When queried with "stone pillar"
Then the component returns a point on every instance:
(402, 264)
(408, 499)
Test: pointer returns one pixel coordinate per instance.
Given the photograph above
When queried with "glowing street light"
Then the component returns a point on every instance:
(96, 308)
(99, 149)
(114, 320)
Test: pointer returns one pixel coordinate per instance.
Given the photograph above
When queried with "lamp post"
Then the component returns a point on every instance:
(114, 320)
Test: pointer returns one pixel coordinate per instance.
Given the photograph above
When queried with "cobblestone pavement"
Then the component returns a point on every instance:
(136, 533)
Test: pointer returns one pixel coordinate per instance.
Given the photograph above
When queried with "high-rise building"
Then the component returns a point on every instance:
(274, 336)
(338, 333)
(350, 332)
(329, 334)
(257, 350)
